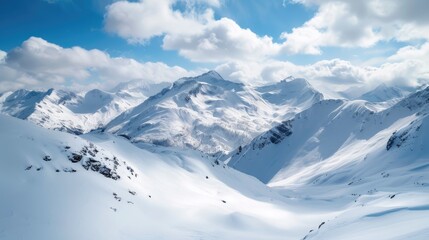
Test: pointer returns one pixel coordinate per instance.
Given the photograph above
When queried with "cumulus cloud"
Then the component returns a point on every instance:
(140, 21)
(38, 57)
(412, 52)
(335, 71)
(221, 40)
(196, 35)
(347, 23)
(40, 64)
(330, 76)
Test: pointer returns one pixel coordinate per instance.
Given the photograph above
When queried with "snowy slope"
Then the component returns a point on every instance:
(212, 114)
(75, 112)
(118, 191)
(61, 186)
(328, 128)
(373, 165)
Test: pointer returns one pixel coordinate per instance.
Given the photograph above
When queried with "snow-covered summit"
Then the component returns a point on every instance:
(383, 93)
(291, 91)
(210, 113)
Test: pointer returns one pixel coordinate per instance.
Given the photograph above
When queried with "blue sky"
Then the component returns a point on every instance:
(80, 22)
(245, 40)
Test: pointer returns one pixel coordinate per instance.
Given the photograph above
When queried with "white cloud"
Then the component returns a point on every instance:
(140, 21)
(2, 56)
(330, 76)
(344, 23)
(221, 40)
(39, 57)
(412, 52)
(196, 35)
(40, 64)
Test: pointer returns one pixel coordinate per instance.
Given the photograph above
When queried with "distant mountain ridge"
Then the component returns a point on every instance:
(73, 112)
(383, 93)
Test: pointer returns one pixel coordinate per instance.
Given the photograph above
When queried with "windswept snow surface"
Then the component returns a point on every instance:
(160, 194)
(212, 114)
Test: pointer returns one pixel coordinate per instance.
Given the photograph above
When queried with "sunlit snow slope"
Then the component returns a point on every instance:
(60, 186)
(375, 163)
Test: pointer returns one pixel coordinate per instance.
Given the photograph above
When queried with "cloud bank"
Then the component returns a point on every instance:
(40, 64)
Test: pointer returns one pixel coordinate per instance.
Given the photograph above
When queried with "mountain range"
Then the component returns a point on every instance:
(214, 159)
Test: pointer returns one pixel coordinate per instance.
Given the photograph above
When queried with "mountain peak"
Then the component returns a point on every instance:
(383, 93)
(212, 74)
(301, 82)
(208, 77)
(290, 90)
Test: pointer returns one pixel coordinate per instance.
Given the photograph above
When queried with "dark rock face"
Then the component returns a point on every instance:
(93, 164)
(47, 158)
(280, 132)
(69, 170)
(74, 158)
(390, 142)
(88, 155)
(107, 172)
(97, 166)
(400, 137)
(274, 136)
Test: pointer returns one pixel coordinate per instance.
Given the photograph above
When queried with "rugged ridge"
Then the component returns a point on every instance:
(72, 112)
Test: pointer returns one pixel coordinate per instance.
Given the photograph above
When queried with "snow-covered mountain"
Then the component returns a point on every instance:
(290, 92)
(212, 114)
(359, 158)
(384, 93)
(328, 169)
(323, 132)
(74, 112)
